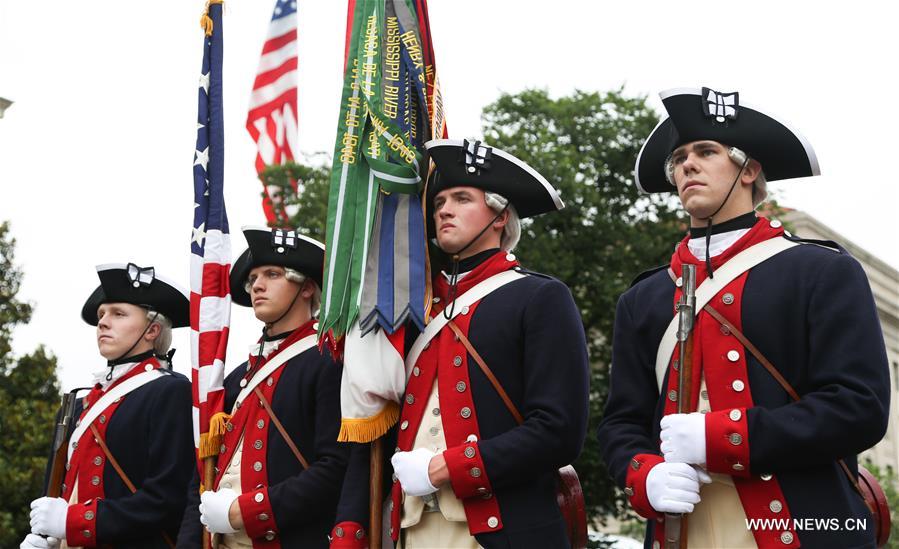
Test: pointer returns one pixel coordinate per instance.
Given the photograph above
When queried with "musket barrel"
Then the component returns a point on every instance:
(59, 452)
(676, 525)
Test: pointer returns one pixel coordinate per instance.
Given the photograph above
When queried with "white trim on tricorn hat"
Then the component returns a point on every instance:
(141, 286)
(282, 247)
(495, 171)
(783, 152)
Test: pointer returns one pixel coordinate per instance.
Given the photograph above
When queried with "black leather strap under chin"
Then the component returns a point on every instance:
(267, 326)
(454, 273)
(708, 227)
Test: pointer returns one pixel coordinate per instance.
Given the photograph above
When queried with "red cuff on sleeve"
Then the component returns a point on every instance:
(257, 514)
(635, 486)
(727, 442)
(349, 535)
(81, 524)
(467, 473)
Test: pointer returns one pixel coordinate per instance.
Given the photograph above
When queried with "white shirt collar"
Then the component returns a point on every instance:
(717, 245)
(99, 376)
(449, 277)
(268, 347)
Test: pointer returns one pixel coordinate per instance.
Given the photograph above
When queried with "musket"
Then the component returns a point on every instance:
(59, 451)
(676, 525)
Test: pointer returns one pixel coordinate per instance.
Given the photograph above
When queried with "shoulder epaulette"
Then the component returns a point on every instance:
(829, 244)
(647, 274)
(524, 271)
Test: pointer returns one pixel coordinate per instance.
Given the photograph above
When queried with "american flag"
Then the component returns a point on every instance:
(272, 120)
(210, 247)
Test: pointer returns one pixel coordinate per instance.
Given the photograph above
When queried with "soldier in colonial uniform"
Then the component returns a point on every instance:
(131, 451)
(789, 371)
(466, 471)
(280, 469)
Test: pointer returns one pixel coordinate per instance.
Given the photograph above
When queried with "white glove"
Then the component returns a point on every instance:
(683, 438)
(674, 487)
(411, 469)
(34, 541)
(214, 509)
(48, 517)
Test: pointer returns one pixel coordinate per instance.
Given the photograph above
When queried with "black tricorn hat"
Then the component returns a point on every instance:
(128, 283)
(282, 247)
(468, 163)
(704, 114)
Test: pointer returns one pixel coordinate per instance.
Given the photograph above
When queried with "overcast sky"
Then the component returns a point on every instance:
(96, 153)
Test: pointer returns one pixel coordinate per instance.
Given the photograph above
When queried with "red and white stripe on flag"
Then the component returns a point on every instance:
(272, 117)
(210, 303)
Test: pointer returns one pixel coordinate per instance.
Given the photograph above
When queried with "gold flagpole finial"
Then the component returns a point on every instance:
(205, 20)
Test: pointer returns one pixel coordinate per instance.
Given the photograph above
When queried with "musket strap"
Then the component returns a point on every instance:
(779, 378)
(458, 306)
(487, 372)
(121, 472)
(753, 350)
(280, 427)
(739, 264)
(569, 493)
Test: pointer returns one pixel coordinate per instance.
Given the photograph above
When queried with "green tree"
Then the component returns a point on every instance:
(307, 206)
(585, 144)
(29, 398)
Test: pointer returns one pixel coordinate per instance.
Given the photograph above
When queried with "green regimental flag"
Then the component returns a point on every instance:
(371, 155)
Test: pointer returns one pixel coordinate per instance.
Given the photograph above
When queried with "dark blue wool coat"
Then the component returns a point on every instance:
(150, 436)
(530, 334)
(307, 402)
(810, 312)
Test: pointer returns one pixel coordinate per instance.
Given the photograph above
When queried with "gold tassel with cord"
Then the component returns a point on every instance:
(367, 429)
(205, 20)
(211, 441)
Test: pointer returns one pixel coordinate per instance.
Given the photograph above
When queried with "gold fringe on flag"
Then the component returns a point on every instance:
(205, 20)
(367, 429)
(211, 441)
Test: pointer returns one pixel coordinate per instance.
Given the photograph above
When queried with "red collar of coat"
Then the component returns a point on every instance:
(760, 232)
